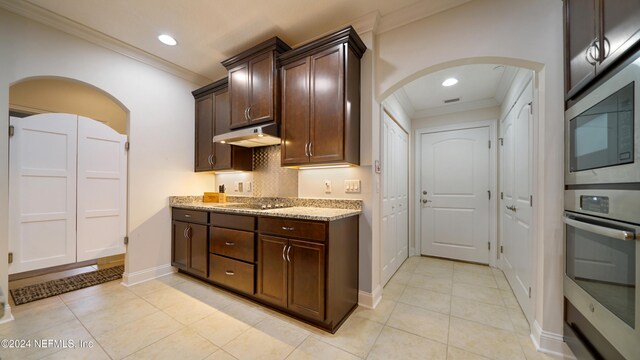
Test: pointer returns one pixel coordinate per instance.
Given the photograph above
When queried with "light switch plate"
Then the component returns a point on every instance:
(352, 186)
(247, 186)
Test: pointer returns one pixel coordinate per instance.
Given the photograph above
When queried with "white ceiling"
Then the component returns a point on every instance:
(479, 86)
(209, 31)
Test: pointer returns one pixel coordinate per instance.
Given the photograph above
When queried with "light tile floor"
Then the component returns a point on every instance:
(431, 309)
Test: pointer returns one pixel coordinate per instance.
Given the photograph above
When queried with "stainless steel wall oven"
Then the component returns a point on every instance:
(602, 219)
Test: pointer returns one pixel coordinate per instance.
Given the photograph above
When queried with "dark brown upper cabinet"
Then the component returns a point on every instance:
(253, 84)
(321, 101)
(212, 118)
(597, 35)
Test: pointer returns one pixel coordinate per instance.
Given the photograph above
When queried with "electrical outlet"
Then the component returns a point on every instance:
(236, 186)
(240, 186)
(327, 186)
(247, 186)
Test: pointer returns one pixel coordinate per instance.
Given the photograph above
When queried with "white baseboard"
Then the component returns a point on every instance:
(370, 300)
(7, 314)
(550, 343)
(129, 279)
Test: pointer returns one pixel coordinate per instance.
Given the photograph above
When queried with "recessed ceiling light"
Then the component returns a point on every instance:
(167, 40)
(450, 82)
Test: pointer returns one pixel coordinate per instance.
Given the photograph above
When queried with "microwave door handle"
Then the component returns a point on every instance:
(600, 230)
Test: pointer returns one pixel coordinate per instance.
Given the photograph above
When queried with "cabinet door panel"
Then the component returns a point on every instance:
(222, 152)
(272, 270)
(261, 70)
(198, 250)
(239, 94)
(620, 27)
(204, 133)
(327, 106)
(306, 278)
(179, 245)
(295, 112)
(580, 32)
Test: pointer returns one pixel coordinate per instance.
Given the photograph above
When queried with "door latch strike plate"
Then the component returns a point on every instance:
(501, 249)
(531, 200)
(10, 258)
(126, 240)
(12, 130)
(501, 195)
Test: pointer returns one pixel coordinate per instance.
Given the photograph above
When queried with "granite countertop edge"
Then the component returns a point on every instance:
(298, 212)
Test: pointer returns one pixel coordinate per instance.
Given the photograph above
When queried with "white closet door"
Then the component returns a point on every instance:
(395, 219)
(102, 185)
(42, 200)
(516, 208)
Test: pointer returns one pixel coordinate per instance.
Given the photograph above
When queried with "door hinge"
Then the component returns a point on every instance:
(10, 258)
(489, 246)
(529, 292)
(489, 144)
(531, 200)
(531, 107)
(501, 141)
(126, 240)
(489, 192)
(501, 195)
(126, 146)
(501, 249)
(12, 130)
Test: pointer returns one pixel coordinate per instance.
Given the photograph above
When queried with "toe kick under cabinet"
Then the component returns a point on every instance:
(307, 269)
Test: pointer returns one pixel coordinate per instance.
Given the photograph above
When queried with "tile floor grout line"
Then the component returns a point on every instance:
(87, 330)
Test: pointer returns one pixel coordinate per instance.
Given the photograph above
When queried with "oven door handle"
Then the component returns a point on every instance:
(600, 230)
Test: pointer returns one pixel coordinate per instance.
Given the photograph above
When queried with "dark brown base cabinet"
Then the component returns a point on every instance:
(307, 269)
(189, 243)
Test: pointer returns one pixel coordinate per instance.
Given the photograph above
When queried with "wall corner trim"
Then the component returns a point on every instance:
(130, 279)
(370, 300)
(549, 343)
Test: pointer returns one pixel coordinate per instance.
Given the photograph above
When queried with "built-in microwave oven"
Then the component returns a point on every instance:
(602, 132)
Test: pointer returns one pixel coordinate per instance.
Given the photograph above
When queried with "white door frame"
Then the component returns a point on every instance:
(493, 175)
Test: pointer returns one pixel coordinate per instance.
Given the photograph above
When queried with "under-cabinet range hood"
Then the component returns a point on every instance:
(263, 135)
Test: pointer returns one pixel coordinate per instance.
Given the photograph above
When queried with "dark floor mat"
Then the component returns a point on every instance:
(50, 288)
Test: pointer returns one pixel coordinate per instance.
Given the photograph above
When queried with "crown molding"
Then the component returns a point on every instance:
(403, 99)
(46, 17)
(415, 12)
(455, 108)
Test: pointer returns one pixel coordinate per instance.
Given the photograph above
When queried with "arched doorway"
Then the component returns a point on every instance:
(94, 152)
(440, 122)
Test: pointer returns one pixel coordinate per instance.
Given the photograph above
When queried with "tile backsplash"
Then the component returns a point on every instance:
(269, 178)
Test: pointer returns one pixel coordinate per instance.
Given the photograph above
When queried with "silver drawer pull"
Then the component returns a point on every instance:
(187, 215)
(229, 243)
(288, 228)
(229, 272)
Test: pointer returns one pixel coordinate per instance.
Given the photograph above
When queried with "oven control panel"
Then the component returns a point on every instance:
(598, 204)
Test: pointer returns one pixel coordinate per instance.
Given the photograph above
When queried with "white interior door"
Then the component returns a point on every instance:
(42, 197)
(102, 186)
(516, 205)
(455, 194)
(395, 216)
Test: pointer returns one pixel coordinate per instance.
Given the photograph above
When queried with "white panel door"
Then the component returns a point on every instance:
(395, 217)
(516, 206)
(454, 194)
(42, 197)
(102, 186)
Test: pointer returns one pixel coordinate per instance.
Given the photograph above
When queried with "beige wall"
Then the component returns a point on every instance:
(161, 131)
(41, 95)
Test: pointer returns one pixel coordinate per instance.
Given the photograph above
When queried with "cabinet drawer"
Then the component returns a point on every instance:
(240, 222)
(232, 243)
(232, 273)
(192, 216)
(292, 228)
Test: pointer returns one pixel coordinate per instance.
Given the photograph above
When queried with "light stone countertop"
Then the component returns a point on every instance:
(296, 212)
